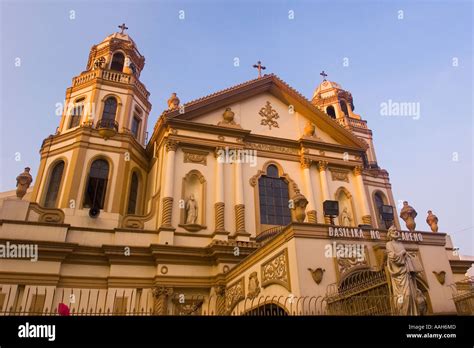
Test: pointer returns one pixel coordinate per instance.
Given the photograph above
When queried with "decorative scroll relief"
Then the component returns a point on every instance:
(188, 307)
(339, 174)
(349, 256)
(276, 271)
(234, 294)
(269, 115)
(273, 148)
(195, 156)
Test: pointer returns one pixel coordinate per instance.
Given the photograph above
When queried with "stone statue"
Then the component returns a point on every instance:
(23, 182)
(299, 206)
(346, 218)
(173, 102)
(432, 221)
(408, 214)
(402, 272)
(309, 129)
(191, 210)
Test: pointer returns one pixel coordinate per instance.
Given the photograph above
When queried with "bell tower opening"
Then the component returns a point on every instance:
(118, 61)
(331, 112)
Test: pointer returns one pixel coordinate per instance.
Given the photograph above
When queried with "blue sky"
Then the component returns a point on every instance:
(403, 60)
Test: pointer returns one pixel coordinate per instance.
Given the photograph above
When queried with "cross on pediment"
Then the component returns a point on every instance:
(259, 67)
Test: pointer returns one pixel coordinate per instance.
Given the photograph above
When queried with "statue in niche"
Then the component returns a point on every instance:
(408, 214)
(346, 218)
(402, 269)
(432, 221)
(191, 210)
(23, 182)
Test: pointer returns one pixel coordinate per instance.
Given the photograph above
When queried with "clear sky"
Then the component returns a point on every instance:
(424, 57)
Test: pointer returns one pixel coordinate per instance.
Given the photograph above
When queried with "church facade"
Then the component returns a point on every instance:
(250, 199)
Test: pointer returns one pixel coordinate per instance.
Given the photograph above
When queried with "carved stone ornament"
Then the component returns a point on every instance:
(345, 264)
(254, 286)
(188, 307)
(234, 294)
(269, 115)
(23, 182)
(195, 156)
(99, 63)
(339, 175)
(273, 148)
(275, 271)
(440, 276)
(317, 274)
(228, 119)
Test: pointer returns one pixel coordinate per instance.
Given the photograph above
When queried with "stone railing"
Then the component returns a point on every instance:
(346, 121)
(110, 75)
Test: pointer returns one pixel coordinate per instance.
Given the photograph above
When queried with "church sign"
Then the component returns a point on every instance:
(348, 232)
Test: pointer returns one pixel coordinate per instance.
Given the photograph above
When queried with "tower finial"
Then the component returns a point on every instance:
(259, 67)
(323, 74)
(123, 28)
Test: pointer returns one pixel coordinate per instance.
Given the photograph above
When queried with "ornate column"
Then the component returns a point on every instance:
(312, 215)
(219, 206)
(219, 291)
(239, 203)
(168, 184)
(161, 296)
(366, 218)
(323, 166)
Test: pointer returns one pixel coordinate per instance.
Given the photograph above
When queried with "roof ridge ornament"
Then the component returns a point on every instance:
(259, 67)
(324, 75)
(123, 28)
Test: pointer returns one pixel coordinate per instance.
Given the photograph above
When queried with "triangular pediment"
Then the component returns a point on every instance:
(266, 106)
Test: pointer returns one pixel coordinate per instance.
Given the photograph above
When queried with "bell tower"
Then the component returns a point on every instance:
(331, 98)
(96, 161)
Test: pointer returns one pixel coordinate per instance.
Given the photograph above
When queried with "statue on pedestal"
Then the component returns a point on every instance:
(408, 215)
(432, 221)
(402, 269)
(23, 182)
(191, 210)
(173, 102)
(346, 218)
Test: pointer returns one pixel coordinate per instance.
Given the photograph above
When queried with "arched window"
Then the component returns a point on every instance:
(132, 198)
(110, 109)
(53, 185)
(118, 61)
(379, 201)
(344, 107)
(76, 113)
(274, 197)
(330, 111)
(97, 184)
